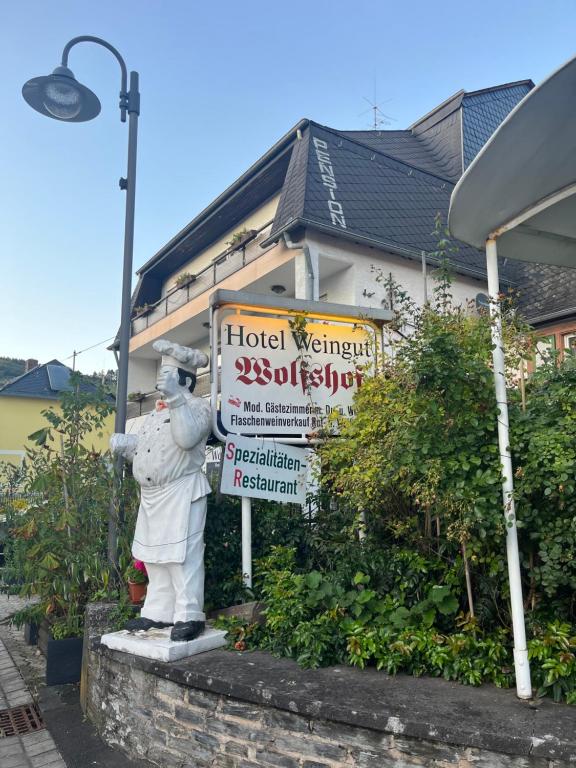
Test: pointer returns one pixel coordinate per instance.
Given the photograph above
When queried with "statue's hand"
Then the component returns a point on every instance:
(124, 445)
(167, 383)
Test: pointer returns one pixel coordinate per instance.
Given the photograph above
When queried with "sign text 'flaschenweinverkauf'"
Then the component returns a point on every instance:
(263, 470)
(277, 380)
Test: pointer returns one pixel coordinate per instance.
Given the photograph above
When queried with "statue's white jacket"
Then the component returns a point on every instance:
(167, 462)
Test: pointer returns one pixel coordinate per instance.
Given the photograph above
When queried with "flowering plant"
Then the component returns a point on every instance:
(136, 572)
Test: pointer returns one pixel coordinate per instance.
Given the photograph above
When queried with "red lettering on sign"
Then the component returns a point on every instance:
(253, 370)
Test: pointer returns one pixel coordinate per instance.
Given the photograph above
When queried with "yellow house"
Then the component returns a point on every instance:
(22, 401)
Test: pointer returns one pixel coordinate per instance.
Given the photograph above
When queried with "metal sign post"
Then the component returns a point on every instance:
(247, 541)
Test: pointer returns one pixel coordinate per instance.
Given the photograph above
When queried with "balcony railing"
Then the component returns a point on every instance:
(224, 265)
(147, 402)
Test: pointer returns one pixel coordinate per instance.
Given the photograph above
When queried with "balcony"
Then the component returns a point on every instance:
(225, 264)
(146, 402)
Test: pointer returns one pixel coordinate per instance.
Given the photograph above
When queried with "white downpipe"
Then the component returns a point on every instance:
(311, 288)
(521, 664)
(247, 541)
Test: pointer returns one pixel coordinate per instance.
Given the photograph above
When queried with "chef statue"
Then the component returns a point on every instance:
(167, 455)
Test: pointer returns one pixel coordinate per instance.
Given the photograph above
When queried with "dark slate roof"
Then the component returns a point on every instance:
(259, 183)
(384, 201)
(403, 145)
(440, 132)
(456, 130)
(291, 204)
(439, 112)
(482, 113)
(390, 185)
(43, 383)
(546, 293)
(443, 139)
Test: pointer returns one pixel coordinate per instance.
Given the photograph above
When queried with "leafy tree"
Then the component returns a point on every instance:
(544, 448)
(58, 546)
(427, 470)
(412, 505)
(10, 368)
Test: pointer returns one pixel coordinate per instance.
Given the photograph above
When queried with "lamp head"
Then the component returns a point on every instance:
(61, 97)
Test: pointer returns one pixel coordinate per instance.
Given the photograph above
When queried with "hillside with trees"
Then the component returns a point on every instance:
(10, 367)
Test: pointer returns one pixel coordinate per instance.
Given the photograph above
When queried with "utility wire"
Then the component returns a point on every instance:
(93, 346)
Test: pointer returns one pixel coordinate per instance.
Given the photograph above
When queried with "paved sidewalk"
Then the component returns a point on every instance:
(68, 739)
(32, 750)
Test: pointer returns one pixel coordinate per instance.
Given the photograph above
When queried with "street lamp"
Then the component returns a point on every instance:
(62, 97)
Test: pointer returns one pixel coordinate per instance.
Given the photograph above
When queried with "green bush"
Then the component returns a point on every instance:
(544, 448)
(57, 529)
(271, 523)
(411, 503)
(319, 620)
(552, 652)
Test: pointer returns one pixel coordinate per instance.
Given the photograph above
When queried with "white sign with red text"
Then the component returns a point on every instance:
(264, 470)
(278, 381)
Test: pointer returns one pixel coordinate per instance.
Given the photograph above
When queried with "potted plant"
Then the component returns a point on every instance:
(30, 619)
(184, 279)
(241, 237)
(136, 397)
(137, 579)
(61, 642)
(141, 310)
(58, 544)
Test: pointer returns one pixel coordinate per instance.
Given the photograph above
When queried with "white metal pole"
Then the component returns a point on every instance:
(424, 277)
(247, 541)
(521, 664)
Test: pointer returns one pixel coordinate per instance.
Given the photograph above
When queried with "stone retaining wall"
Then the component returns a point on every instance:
(241, 710)
(181, 722)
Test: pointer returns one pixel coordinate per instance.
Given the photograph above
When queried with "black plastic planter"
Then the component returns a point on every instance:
(63, 661)
(31, 633)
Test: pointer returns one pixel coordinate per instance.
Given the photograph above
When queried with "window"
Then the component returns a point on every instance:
(569, 342)
(545, 348)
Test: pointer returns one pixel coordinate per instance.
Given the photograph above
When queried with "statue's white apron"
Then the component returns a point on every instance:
(166, 519)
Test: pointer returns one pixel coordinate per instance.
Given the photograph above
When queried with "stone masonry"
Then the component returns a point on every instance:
(233, 710)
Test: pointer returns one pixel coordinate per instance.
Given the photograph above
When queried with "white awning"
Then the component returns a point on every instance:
(521, 187)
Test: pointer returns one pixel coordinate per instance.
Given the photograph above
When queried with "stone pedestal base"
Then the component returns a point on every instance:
(156, 643)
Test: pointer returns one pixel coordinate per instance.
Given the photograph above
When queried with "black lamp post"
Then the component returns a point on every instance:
(62, 97)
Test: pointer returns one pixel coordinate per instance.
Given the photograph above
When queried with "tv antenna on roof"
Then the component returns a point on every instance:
(378, 116)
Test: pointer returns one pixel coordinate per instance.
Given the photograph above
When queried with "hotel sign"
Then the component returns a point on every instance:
(281, 381)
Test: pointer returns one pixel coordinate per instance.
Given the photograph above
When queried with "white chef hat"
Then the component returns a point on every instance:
(179, 356)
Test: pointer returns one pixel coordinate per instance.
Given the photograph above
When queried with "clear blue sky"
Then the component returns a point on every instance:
(220, 83)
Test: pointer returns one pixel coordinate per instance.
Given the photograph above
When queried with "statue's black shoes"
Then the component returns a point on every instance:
(142, 623)
(186, 630)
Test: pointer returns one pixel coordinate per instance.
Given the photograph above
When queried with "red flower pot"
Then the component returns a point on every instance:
(137, 592)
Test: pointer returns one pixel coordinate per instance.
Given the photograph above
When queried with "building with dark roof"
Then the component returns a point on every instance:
(360, 201)
(23, 399)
